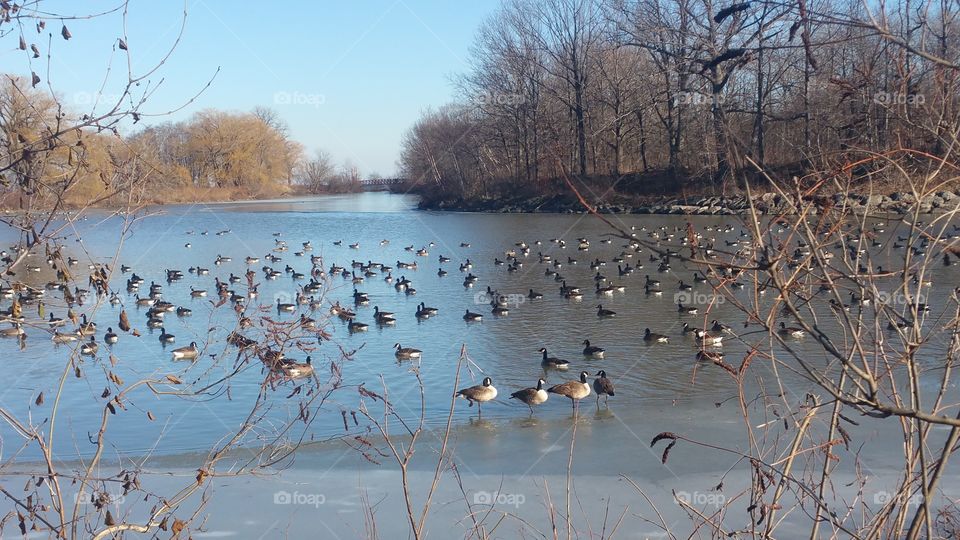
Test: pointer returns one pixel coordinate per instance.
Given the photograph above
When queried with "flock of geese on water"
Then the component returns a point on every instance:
(709, 339)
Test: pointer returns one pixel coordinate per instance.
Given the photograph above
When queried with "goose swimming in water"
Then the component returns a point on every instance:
(791, 331)
(592, 351)
(383, 317)
(720, 327)
(165, 337)
(65, 337)
(110, 337)
(189, 352)
(90, 348)
(654, 337)
(604, 313)
(406, 353)
(297, 370)
(551, 361)
(14, 331)
(355, 326)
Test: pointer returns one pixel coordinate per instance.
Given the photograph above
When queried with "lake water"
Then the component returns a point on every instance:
(658, 387)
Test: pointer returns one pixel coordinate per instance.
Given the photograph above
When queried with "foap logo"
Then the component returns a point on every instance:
(499, 98)
(484, 298)
(701, 499)
(885, 497)
(297, 498)
(91, 98)
(101, 498)
(896, 98)
(897, 298)
(503, 499)
(696, 98)
(692, 298)
(299, 98)
(283, 298)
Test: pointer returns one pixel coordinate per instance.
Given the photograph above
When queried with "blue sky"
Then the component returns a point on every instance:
(348, 77)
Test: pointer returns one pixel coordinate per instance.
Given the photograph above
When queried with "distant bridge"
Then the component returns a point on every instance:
(381, 184)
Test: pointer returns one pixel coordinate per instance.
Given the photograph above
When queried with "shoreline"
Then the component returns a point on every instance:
(767, 203)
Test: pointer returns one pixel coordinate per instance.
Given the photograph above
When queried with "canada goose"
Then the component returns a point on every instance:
(383, 317)
(14, 331)
(603, 387)
(189, 352)
(252, 260)
(654, 337)
(197, 293)
(424, 312)
(345, 313)
(708, 339)
(356, 326)
(289, 308)
(55, 321)
(480, 394)
(90, 348)
(652, 282)
(574, 390)
(184, 312)
(441, 272)
(297, 370)
(605, 312)
(854, 300)
(791, 331)
(652, 290)
(406, 353)
(360, 298)
(165, 337)
(110, 337)
(144, 301)
(87, 328)
(534, 295)
(720, 327)
(552, 362)
(567, 289)
(686, 310)
(687, 329)
(307, 323)
(471, 316)
(590, 350)
(65, 337)
(532, 396)
(697, 278)
(498, 310)
(154, 322)
(606, 291)
(709, 356)
(838, 306)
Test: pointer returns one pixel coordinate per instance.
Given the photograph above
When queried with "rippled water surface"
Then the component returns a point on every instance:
(659, 387)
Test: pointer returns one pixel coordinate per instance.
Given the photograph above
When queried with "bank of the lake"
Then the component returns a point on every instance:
(765, 203)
